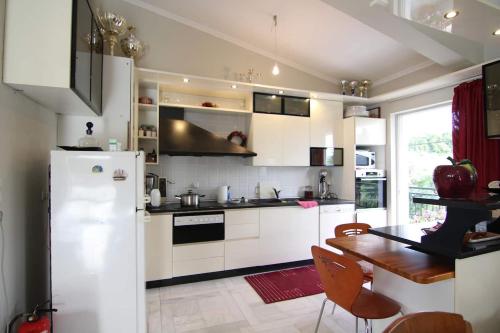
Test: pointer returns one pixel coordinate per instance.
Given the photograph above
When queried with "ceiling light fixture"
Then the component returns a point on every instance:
(186, 80)
(234, 86)
(276, 69)
(281, 92)
(451, 14)
(496, 32)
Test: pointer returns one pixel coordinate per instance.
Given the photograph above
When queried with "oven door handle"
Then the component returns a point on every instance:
(194, 223)
(371, 178)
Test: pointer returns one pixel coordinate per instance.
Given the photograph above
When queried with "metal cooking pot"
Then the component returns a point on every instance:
(189, 199)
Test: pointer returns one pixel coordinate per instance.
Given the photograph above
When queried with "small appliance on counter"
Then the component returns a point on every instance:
(151, 182)
(323, 186)
(223, 194)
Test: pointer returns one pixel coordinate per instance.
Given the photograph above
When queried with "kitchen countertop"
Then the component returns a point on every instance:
(254, 203)
(397, 258)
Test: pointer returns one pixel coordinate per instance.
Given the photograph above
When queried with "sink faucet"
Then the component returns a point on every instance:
(277, 193)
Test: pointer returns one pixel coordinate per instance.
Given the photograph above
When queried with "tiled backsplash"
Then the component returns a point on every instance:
(211, 172)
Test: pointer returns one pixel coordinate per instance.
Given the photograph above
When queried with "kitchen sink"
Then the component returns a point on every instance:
(271, 201)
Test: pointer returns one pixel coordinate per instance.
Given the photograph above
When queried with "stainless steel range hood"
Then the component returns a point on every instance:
(181, 138)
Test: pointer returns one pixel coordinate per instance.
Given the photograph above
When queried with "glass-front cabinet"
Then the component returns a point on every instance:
(280, 104)
(86, 56)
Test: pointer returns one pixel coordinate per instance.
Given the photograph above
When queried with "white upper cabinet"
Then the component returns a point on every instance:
(46, 55)
(266, 139)
(326, 123)
(295, 141)
(370, 131)
(279, 140)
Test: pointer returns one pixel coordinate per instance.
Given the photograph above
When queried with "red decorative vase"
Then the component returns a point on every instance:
(454, 181)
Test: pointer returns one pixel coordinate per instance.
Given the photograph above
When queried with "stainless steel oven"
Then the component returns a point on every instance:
(198, 227)
(371, 189)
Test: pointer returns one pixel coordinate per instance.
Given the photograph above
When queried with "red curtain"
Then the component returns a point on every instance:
(468, 133)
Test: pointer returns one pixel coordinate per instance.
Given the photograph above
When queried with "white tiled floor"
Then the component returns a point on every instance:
(231, 305)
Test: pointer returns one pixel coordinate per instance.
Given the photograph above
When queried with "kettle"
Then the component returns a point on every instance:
(151, 182)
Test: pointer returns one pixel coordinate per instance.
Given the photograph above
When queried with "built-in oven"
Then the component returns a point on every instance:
(370, 189)
(198, 227)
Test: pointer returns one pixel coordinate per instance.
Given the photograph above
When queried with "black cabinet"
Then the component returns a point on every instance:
(86, 56)
(280, 104)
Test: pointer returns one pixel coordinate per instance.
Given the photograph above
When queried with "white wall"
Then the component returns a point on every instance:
(389, 110)
(175, 47)
(27, 133)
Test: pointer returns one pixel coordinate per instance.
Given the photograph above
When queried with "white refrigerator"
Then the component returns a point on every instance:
(97, 242)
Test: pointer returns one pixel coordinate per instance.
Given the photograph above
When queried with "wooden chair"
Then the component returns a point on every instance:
(342, 280)
(354, 229)
(430, 322)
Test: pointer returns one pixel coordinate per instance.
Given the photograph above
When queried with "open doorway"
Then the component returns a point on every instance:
(423, 141)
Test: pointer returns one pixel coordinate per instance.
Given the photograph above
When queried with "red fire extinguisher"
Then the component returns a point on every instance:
(35, 323)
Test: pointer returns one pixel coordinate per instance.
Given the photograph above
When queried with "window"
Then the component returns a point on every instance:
(423, 141)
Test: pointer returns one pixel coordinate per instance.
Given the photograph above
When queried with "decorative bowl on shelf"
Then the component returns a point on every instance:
(209, 105)
(457, 180)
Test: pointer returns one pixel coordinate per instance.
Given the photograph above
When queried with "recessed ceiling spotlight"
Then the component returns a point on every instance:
(281, 92)
(186, 80)
(234, 86)
(451, 14)
(496, 32)
(273, 96)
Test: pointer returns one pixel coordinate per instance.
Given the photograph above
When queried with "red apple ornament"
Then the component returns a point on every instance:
(456, 180)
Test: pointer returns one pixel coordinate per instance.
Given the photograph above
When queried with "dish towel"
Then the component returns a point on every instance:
(307, 204)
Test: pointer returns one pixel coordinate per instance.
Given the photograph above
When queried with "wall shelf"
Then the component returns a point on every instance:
(151, 107)
(147, 137)
(205, 108)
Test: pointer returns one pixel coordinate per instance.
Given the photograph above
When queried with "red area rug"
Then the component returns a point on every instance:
(286, 284)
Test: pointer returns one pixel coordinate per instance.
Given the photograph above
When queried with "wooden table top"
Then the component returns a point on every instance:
(396, 258)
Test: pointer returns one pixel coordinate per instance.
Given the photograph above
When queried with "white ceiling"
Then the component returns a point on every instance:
(345, 39)
(312, 36)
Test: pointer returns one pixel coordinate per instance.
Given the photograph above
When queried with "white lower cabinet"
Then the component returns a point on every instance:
(158, 247)
(375, 217)
(242, 231)
(330, 217)
(198, 258)
(287, 234)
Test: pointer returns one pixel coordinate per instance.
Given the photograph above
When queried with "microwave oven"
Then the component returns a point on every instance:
(365, 159)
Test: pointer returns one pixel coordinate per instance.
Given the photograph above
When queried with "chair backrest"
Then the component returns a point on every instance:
(351, 229)
(342, 278)
(430, 322)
